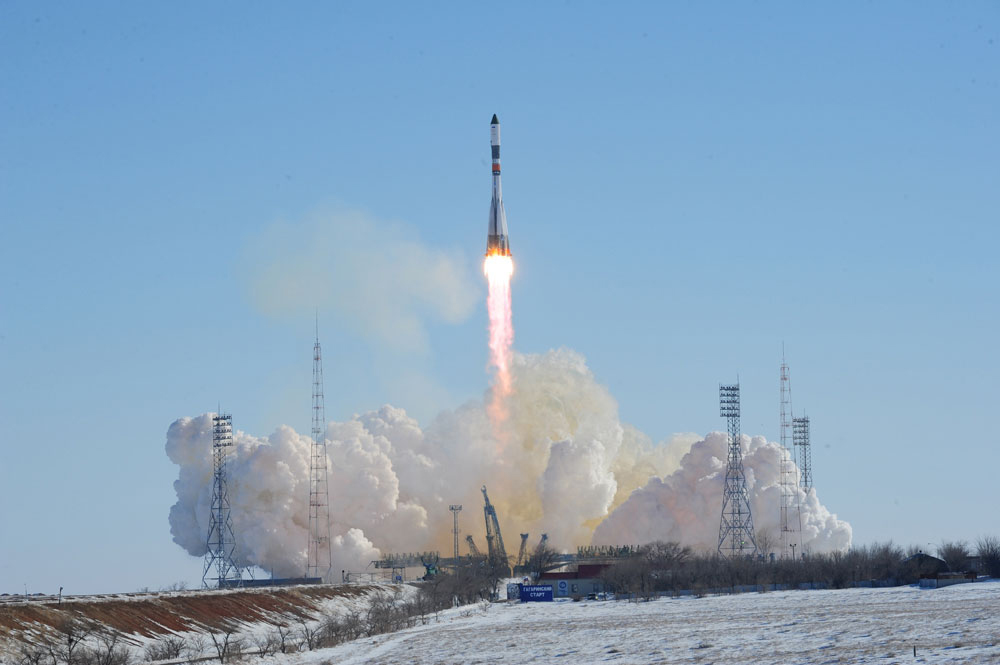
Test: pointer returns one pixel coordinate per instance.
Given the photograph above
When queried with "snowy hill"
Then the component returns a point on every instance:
(959, 624)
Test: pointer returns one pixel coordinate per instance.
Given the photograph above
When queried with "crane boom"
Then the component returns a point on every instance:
(473, 550)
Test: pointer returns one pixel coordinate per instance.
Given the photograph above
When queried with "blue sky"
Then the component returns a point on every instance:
(688, 185)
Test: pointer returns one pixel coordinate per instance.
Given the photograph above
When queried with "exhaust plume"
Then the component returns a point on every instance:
(498, 269)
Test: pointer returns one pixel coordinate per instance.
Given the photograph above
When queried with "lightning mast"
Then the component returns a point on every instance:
(789, 533)
(800, 437)
(320, 556)
(736, 536)
(221, 540)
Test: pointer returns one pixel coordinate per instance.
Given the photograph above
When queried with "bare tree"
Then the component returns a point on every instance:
(195, 647)
(541, 560)
(179, 585)
(309, 633)
(765, 541)
(29, 653)
(286, 642)
(227, 644)
(70, 636)
(988, 550)
(168, 648)
(381, 615)
(955, 554)
(266, 643)
(110, 649)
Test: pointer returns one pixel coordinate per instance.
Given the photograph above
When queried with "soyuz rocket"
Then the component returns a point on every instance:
(496, 234)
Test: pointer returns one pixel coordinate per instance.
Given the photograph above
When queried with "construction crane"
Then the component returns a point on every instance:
(541, 543)
(473, 550)
(520, 552)
(494, 540)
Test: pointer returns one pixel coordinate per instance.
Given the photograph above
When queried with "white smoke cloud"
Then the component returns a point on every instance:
(685, 506)
(563, 464)
(376, 277)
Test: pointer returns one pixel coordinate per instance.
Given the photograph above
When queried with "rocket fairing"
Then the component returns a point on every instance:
(496, 234)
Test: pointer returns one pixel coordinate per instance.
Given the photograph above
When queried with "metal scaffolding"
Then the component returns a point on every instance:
(221, 542)
(320, 557)
(736, 535)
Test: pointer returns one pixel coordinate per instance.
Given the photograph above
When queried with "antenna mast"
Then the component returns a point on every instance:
(320, 556)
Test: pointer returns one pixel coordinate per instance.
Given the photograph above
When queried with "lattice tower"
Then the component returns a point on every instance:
(221, 542)
(736, 535)
(800, 436)
(320, 556)
(790, 518)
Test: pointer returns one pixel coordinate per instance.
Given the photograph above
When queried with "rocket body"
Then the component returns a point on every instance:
(497, 242)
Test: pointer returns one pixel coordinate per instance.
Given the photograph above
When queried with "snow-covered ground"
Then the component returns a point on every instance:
(958, 624)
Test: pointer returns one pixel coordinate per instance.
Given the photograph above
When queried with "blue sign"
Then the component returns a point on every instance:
(563, 587)
(534, 593)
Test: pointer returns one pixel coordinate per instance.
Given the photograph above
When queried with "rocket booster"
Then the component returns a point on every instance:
(496, 234)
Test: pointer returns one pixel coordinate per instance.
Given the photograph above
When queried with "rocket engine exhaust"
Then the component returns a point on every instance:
(498, 267)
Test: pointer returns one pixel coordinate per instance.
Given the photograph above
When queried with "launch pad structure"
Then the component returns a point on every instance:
(496, 552)
(736, 534)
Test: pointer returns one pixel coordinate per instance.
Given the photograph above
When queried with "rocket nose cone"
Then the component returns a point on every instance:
(494, 121)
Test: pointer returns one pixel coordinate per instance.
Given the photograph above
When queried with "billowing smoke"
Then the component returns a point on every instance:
(685, 505)
(564, 465)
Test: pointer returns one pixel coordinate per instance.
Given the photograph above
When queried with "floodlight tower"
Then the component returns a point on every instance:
(789, 533)
(736, 536)
(800, 437)
(455, 510)
(320, 556)
(221, 543)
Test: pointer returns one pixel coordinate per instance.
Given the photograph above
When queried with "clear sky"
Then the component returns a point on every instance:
(687, 185)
